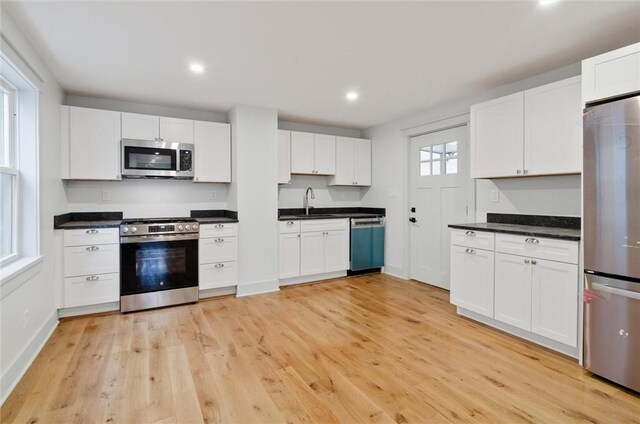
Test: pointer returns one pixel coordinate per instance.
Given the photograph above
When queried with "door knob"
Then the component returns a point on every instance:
(413, 220)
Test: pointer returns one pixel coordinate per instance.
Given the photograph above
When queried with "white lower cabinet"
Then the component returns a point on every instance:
(472, 279)
(218, 256)
(512, 285)
(312, 253)
(336, 250)
(290, 255)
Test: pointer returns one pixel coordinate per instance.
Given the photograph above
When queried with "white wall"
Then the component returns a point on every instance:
(255, 160)
(291, 195)
(33, 290)
(547, 195)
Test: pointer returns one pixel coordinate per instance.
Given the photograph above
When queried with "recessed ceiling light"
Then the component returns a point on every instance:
(352, 95)
(547, 2)
(196, 68)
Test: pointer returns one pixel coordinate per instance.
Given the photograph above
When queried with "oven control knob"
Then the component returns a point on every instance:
(180, 228)
(194, 226)
(187, 227)
(134, 229)
(125, 229)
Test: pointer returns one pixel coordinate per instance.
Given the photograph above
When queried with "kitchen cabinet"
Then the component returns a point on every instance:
(212, 156)
(353, 162)
(534, 132)
(140, 127)
(472, 279)
(284, 157)
(611, 74)
(217, 256)
(312, 253)
(313, 153)
(176, 130)
(336, 250)
(513, 290)
(90, 144)
(289, 255)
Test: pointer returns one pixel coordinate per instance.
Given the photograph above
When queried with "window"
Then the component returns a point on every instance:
(439, 159)
(9, 175)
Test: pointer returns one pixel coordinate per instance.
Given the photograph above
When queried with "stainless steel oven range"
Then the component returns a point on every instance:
(158, 262)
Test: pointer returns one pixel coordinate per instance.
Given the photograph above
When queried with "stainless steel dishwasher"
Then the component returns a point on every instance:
(367, 243)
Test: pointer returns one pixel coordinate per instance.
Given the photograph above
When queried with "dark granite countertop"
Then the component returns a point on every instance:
(563, 228)
(215, 216)
(216, 220)
(329, 213)
(80, 220)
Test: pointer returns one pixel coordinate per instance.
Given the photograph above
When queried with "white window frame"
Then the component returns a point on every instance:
(10, 167)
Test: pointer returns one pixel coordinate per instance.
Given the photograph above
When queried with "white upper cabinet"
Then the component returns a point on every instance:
(353, 162)
(313, 153)
(553, 128)
(176, 130)
(212, 154)
(534, 132)
(611, 74)
(284, 157)
(91, 144)
(140, 127)
(497, 131)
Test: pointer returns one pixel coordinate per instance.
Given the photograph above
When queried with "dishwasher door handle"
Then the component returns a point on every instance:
(603, 288)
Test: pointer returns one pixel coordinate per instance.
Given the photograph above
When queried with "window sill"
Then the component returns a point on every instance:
(15, 268)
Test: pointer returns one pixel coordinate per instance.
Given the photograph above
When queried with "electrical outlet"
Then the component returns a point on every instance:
(495, 196)
(106, 195)
(213, 195)
(25, 322)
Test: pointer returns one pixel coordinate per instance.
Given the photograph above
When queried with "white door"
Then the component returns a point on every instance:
(312, 253)
(324, 154)
(336, 251)
(140, 127)
(284, 157)
(94, 144)
(289, 255)
(213, 152)
(513, 290)
(472, 279)
(362, 162)
(439, 181)
(302, 153)
(176, 130)
(555, 301)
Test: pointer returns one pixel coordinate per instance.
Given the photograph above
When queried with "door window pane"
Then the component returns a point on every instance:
(452, 148)
(452, 166)
(425, 169)
(436, 167)
(425, 153)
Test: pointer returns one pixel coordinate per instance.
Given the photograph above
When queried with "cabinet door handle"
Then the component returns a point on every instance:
(92, 278)
(219, 265)
(471, 233)
(525, 171)
(92, 248)
(518, 171)
(534, 262)
(92, 231)
(471, 251)
(526, 261)
(532, 240)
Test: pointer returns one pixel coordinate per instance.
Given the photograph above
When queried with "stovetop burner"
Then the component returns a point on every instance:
(132, 221)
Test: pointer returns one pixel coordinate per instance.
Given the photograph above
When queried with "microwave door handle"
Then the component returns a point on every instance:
(603, 288)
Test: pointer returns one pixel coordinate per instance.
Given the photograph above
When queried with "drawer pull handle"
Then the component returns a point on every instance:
(471, 251)
(289, 222)
(219, 240)
(92, 248)
(219, 225)
(92, 231)
(471, 233)
(92, 278)
(532, 240)
(219, 265)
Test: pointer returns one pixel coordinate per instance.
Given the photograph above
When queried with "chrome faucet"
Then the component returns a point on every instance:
(306, 200)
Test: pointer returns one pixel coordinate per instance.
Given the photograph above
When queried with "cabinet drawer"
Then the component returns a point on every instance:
(90, 236)
(472, 238)
(218, 230)
(90, 260)
(538, 247)
(219, 274)
(288, 227)
(219, 249)
(91, 290)
(324, 225)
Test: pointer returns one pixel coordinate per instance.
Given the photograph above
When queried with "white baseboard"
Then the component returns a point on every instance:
(11, 377)
(91, 309)
(527, 335)
(259, 287)
(221, 291)
(312, 278)
(396, 271)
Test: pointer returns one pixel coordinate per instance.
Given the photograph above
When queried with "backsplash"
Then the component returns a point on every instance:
(291, 195)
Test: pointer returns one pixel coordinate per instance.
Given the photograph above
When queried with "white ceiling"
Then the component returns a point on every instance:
(302, 57)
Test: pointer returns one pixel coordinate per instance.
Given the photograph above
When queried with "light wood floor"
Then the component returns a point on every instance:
(365, 349)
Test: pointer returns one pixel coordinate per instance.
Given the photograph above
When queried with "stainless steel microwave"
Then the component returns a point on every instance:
(156, 159)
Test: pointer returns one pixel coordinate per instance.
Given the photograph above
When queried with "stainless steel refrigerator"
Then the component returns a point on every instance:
(612, 240)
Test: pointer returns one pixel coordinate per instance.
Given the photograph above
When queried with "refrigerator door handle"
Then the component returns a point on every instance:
(603, 288)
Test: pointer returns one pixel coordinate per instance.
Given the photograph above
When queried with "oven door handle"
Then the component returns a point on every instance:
(157, 239)
(603, 288)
